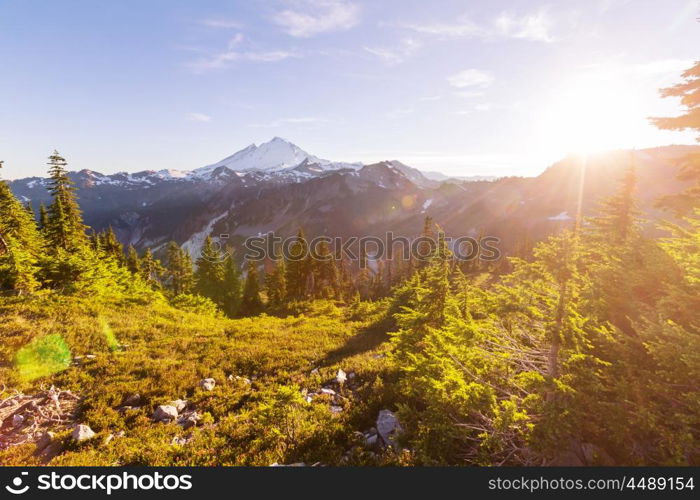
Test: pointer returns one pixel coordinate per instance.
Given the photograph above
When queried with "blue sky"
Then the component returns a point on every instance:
(465, 87)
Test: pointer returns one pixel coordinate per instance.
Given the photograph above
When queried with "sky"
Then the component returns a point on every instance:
(459, 86)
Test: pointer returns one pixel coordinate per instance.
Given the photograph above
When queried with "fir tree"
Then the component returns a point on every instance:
(178, 269)
(20, 244)
(276, 285)
(298, 269)
(231, 285)
(133, 262)
(64, 226)
(209, 276)
(251, 304)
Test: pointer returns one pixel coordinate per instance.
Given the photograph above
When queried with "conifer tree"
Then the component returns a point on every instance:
(64, 227)
(298, 269)
(20, 244)
(178, 269)
(326, 280)
(276, 285)
(251, 303)
(689, 93)
(43, 216)
(231, 285)
(209, 276)
(133, 262)
(151, 269)
(110, 245)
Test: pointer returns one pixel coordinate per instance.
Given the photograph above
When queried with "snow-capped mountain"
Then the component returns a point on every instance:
(279, 187)
(273, 156)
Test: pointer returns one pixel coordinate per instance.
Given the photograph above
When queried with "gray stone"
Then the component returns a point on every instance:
(326, 390)
(388, 427)
(207, 384)
(341, 376)
(17, 420)
(44, 440)
(82, 432)
(179, 404)
(133, 400)
(165, 413)
(371, 441)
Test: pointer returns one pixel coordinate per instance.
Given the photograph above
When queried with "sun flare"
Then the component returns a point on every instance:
(592, 113)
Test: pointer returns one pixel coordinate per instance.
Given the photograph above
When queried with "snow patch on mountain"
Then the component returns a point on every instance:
(194, 245)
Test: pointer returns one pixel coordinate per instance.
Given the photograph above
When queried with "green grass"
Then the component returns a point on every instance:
(162, 353)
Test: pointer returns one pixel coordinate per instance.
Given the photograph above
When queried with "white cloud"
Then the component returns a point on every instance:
(303, 120)
(224, 59)
(534, 26)
(470, 78)
(308, 18)
(221, 23)
(406, 49)
(197, 117)
(236, 54)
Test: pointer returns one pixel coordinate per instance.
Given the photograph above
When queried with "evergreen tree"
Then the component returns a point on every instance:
(209, 276)
(178, 270)
(231, 285)
(251, 303)
(298, 269)
(110, 245)
(133, 262)
(64, 226)
(689, 94)
(43, 217)
(276, 285)
(151, 269)
(20, 244)
(325, 272)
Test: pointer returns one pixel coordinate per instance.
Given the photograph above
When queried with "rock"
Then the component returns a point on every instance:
(207, 384)
(17, 420)
(314, 371)
(81, 432)
(387, 427)
(308, 399)
(371, 441)
(44, 440)
(351, 375)
(336, 409)
(133, 400)
(179, 404)
(188, 420)
(341, 376)
(165, 413)
(90, 356)
(120, 434)
(326, 390)
(178, 441)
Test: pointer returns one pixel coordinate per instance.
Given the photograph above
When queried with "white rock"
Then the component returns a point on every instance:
(17, 420)
(341, 376)
(326, 390)
(82, 432)
(179, 404)
(336, 409)
(165, 413)
(208, 384)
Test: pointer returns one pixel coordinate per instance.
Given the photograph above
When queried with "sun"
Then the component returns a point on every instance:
(591, 113)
